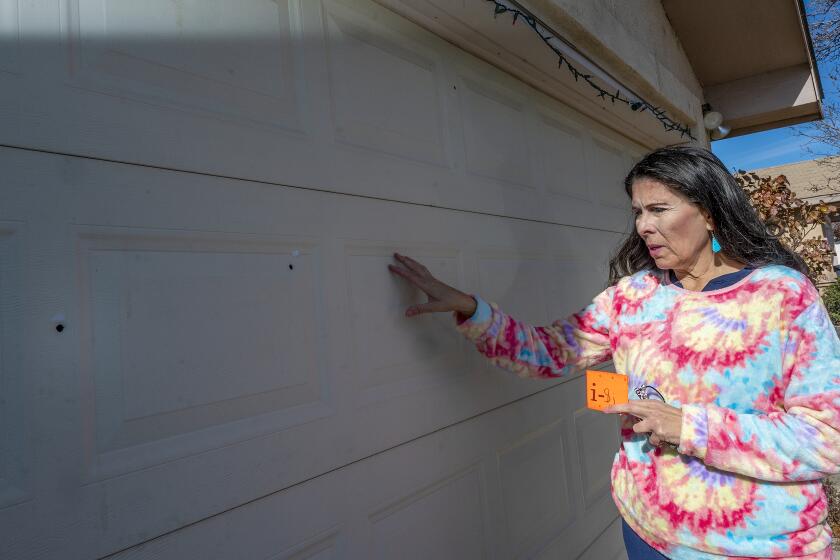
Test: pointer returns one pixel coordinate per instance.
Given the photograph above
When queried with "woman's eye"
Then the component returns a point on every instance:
(653, 210)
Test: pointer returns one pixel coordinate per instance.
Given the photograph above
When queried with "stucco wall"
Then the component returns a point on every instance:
(633, 40)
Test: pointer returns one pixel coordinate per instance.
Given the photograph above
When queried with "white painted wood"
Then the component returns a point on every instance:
(226, 340)
(15, 455)
(273, 91)
(387, 92)
(477, 496)
(231, 339)
(596, 454)
(608, 546)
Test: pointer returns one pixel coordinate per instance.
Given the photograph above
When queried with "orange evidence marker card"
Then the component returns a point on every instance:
(604, 389)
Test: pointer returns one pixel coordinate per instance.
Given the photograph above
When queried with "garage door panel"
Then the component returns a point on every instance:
(9, 35)
(212, 311)
(534, 476)
(579, 213)
(608, 546)
(575, 281)
(504, 276)
(470, 499)
(608, 168)
(392, 355)
(175, 399)
(302, 523)
(340, 96)
(563, 147)
(10, 69)
(317, 548)
(386, 92)
(597, 442)
(495, 132)
(568, 534)
(15, 445)
(231, 60)
(442, 520)
(583, 186)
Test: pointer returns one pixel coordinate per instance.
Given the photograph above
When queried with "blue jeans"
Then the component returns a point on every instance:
(637, 549)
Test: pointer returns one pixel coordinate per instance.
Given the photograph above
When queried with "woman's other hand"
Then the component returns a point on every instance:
(442, 297)
(662, 421)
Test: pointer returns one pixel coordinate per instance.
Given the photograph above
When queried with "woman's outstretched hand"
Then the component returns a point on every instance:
(442, 297)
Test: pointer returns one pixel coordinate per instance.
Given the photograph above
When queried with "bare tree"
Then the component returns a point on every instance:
(823, 137)
(824, 21)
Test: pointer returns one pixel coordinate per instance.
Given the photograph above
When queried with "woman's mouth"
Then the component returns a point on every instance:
(655, 250)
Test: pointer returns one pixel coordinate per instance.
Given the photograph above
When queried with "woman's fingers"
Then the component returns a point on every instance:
(642, 426)
(663, 422)
(418, 275)
(442, 297)
(420, 282)
(640, 408)
(404, 272)
(413, 265)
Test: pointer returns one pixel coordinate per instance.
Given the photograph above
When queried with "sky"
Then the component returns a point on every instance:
(779, 146)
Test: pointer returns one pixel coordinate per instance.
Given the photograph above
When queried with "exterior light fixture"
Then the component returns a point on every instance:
(713, 121)
(720, 132)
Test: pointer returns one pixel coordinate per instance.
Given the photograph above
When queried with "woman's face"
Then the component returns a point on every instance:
(675, 230)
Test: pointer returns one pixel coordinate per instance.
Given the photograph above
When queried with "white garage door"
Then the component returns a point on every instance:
(202, 353)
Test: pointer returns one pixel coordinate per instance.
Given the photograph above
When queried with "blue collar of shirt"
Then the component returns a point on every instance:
(721, 281)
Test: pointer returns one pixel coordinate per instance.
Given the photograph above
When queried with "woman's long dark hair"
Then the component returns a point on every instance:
(700, 176)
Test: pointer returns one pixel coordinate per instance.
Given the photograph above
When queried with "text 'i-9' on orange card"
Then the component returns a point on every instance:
(604, 389)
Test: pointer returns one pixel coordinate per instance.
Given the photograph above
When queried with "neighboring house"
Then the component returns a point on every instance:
(814, 181)
(203, 354)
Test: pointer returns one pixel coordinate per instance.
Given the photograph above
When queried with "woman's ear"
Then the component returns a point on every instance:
(710, 224)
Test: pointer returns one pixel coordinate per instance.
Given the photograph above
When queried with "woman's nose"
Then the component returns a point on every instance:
(643, 224)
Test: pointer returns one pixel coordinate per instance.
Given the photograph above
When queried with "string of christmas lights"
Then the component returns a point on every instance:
(548, 38)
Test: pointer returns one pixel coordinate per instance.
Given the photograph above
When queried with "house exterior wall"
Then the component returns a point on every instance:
(633, 41)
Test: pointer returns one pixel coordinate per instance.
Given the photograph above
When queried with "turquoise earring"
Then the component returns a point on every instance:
(715, 244)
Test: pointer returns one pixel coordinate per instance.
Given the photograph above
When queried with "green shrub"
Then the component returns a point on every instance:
(832, 491)
(831, 298)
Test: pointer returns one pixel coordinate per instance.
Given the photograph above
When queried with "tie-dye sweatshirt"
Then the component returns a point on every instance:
(755, 367)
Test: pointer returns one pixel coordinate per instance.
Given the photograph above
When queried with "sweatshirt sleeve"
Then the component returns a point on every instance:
(580, 340)
(801, 442)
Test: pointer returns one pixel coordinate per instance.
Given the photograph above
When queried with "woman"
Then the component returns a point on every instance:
(734, 410)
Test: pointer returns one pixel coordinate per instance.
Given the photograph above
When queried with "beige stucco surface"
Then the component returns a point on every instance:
(634, 39)
(635, 45)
